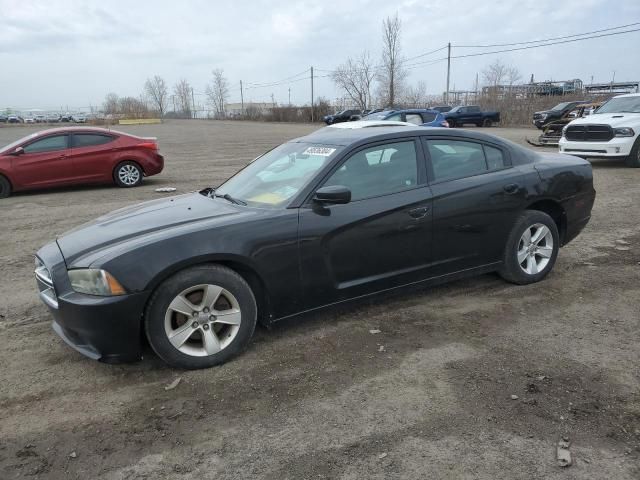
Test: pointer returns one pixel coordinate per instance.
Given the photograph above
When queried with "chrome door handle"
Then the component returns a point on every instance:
(419, 212)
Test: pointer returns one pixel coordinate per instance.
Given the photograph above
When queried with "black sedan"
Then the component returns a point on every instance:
(337, 215)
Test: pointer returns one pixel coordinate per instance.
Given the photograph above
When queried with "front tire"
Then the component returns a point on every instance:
(633, 160)
(486, 123)
(128, 174)
(5, 187)
(201, 317)
(531, 249)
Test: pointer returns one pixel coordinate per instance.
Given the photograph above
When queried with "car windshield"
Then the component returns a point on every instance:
(276, 177)
(13, 145)
(621, 105)
(560, 106)
(455, 109)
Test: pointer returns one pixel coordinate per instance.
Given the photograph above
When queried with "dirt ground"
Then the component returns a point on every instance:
(319, 397)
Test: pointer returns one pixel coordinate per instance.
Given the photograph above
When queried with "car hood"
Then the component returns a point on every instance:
(613, 119)
(542, 112)
(149, 221)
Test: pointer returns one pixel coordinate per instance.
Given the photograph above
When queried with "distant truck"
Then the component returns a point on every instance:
(460, 116)
(540, 119)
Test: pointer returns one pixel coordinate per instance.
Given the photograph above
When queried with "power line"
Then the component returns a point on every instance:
(276, 82)
(545, 44)
(546, 39)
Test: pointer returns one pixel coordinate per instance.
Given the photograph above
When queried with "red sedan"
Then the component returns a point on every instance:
(77, 156)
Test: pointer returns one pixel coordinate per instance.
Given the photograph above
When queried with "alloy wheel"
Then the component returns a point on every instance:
(535, 249)
(202, 320)
(129, 174)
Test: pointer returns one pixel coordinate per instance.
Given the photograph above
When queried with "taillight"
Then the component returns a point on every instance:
(149, 145)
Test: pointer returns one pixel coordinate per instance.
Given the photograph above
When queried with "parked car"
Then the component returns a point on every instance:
(441, 108)
(53, 118)
(540, 119)
(342, 116)
(4, 118)
(613, 131)
(76, 156)
(78, 118)
(29, 120)
(460, 116)
(40, 118)
(337, 215)
(14, 119)
(416, 116)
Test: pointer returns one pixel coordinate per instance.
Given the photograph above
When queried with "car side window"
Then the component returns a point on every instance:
(495, 158)
(47, 144)
(90, 139)
(462, 110)
(414, 118)
(456, 159)
(378, 170)
(394, 118)
(474, 109)
(428, 117)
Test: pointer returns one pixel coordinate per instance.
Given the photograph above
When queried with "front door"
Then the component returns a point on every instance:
(381, 238)
(45, 161)
(92, 155)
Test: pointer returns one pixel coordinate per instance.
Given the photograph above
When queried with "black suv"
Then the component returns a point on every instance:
(343, 116)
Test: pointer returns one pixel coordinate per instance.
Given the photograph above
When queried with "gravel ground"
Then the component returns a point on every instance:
(319, 397)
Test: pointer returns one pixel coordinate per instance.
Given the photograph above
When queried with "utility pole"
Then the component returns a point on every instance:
(193, 103)
(273, 101)
(475, 100)
(448, 71)
(241, 100)
(311, 94)
(289, 96)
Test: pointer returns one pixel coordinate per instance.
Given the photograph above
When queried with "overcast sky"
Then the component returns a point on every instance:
(72, 53)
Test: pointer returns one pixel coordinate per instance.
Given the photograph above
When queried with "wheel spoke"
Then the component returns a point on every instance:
(522, 255)
(541, 232)
(526, 237)
(210, 341)
(544, 252)
(229, 317)
(181, 335)
(210, 296)
(532, 265)
(180, 304)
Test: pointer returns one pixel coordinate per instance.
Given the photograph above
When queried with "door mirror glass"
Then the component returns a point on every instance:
(333, 194)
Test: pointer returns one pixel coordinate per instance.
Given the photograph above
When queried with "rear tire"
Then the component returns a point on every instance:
(633, 160)
(486, 123)
(5, 187)
(128, 174)
(531, 249)
(219, 320)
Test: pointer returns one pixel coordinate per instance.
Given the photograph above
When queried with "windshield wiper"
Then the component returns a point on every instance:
(211, 193)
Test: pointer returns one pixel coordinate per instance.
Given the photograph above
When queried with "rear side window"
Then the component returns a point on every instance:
(414, 118)
(457, 159)
(48, 144)
(428, 117)
(90, 139)
(395, 118)
(473, 109)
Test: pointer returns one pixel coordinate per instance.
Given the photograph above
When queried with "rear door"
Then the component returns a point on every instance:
(45, 161)
(477, 196)
(382, 238)
(92, 155)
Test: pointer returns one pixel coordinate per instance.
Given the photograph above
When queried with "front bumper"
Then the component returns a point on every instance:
(616, 147)
(102, 328)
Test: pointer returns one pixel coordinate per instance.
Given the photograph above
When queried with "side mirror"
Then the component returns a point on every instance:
(18, 151)
(334, 194)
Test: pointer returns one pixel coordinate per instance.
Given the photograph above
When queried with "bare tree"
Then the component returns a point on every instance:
(218, 92)
(495, 73)
(156, 90)
(355, 78)
(416, 96)
(392, 73)
(110, 103)
(182, 91)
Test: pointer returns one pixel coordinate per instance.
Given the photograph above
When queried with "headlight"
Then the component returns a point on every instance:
(564, 130)
(95, 282)
(543, 116)
(624, 132)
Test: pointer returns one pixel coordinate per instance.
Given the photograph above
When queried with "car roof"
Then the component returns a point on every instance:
(628, 95)
(371, 123)
(49, 131)
(351, 136)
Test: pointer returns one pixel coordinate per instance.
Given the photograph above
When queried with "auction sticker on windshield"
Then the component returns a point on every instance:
(319, 151)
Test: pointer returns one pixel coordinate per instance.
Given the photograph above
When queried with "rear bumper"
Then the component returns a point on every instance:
(102, 328)
(154, 166)
(616, 147)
